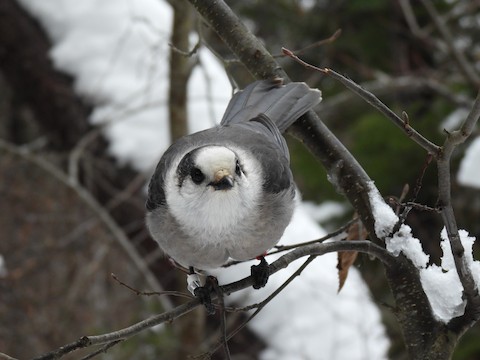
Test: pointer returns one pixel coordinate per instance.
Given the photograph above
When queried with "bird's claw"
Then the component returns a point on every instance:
(194, 285)
(260, 273)
(202, 293)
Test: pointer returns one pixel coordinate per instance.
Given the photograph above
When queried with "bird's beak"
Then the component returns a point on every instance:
(222, 180)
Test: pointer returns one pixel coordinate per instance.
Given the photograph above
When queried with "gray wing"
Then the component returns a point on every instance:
(282, 104)
(265, 126)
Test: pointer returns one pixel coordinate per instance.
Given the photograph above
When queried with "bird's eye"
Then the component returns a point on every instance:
(238, 169)
(197, 175)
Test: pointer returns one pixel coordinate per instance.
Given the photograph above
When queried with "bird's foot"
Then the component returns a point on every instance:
(202, 293)
(260, 273)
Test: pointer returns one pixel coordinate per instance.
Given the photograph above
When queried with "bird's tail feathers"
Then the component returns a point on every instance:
(283, 104)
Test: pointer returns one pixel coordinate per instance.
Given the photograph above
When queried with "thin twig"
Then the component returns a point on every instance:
(223, 321)
(103, 349)
(261, 305)
(151, 293)
(311, 250)
(465, 67)
(187, 53)
(316, 44)
(97, 208)
(340, 230)
(414, 205)
(371, 99)
(416, 190)
(87, 341)
(283, 248)
(411, 18)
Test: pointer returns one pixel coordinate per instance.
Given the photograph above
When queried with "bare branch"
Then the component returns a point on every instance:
(180, 68)
(411, 204)
(316, 44)
(385, 87)
(103, 349)
(318, 249)
(281, 263)
(87, 341)
(470, 122)
(100, 211)
(445, 204)
(375, 102)
(410, 18)
(6, 357)
(342, 229)
(262, 304)
(465, 67)
(223, 321)
(151, 293)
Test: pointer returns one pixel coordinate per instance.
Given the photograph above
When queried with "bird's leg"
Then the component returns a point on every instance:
(260, 273)
(194, 285)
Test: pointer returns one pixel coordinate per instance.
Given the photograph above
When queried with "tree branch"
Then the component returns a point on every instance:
(6, 357)
(87, 341)
(281, 263)
(337, 105)
(445, 204)
(466, 69)
(371, 99)
(180, 68)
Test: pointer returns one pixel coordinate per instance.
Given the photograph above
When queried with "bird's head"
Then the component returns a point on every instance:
(209, 168)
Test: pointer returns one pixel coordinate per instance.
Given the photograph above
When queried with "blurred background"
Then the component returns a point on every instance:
(84, 90)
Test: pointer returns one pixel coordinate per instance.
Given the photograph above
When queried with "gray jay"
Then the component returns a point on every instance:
(228, 192)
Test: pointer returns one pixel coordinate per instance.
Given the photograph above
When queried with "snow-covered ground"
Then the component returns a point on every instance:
(117, 52)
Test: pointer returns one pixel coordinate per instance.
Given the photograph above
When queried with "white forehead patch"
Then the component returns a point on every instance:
(213, 158)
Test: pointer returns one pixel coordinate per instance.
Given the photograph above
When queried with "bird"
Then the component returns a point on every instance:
(228, 192)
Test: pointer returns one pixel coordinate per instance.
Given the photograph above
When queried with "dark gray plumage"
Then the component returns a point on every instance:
(228, 191)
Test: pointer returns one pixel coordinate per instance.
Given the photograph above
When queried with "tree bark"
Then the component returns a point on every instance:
(180, 67)
(190, 330)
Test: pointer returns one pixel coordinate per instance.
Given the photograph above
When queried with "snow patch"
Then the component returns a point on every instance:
(404, 242)
(325, 211)
(400, 242)
(447, 305)
(454, 120)
(385, 218)
(469, 171)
